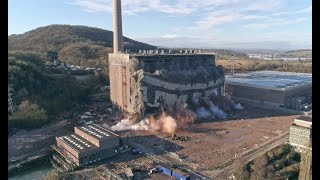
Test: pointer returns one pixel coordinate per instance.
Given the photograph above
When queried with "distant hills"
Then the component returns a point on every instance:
(35, 84)
(300, 53)
(88, 46)
(306, 53)
(76, 45)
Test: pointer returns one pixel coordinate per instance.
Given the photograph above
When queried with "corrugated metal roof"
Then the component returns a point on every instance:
(271, 79)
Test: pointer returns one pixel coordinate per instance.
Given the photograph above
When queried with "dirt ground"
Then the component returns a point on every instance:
(34, 142)
(208, 144)
(212, 144)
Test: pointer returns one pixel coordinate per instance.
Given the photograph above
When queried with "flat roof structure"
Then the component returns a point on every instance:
(304, 121)
(88, 144)
(273, 80)
(97, 132)
(77, 143)
(304, 118)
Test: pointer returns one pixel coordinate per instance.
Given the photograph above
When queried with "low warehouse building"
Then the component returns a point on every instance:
(301, 133)
(284, 89)
(88, 144)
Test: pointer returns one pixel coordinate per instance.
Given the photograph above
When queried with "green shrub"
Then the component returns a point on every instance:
(282, 161)
(53, 93)
(28, 115)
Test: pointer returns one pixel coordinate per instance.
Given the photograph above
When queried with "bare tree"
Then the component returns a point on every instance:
(259, 168)
(306, 165)
(240, 169)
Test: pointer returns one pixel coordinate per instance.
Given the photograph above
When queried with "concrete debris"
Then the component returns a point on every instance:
(181, 138)
(222, 132)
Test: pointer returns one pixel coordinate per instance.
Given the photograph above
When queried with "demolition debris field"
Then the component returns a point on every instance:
(211, 144)
(206, 145)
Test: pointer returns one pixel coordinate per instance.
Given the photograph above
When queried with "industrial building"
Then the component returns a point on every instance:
(153, 79)
(88, 144)
(301, 133)
(278, 89)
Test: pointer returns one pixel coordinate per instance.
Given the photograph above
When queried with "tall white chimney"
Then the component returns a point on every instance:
(117, 27)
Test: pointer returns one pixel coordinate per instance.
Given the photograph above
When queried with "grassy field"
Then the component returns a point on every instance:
(258, 65)
(300, 53)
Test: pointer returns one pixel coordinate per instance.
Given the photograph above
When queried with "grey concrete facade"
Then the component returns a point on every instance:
(141, 81)
(151, 80)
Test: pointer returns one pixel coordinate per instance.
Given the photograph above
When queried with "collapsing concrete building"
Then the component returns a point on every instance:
(139, 82)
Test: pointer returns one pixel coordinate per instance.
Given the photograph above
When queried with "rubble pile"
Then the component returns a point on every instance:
(180, 138)
(182, 115)
(201, 73)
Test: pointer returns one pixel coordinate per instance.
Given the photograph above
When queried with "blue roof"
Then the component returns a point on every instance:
(271, 79)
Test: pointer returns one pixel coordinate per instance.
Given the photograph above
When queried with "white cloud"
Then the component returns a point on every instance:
(162, 6)
(266, 19)
(92, 5)
(170, 36)
(211, 15)
(213, 12)
(211, 21)
(264, 5)
(299, 11)
(305, 10)
(136, 6)
(275, 22)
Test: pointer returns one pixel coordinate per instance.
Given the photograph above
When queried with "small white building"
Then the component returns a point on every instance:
(301, 133)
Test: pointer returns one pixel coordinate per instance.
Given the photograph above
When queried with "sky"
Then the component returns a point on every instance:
(272, 24)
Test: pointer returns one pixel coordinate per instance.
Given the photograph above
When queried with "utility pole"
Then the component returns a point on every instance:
(233, 65)
(11, 107)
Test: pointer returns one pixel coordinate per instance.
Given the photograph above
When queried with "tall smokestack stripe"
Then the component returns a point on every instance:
(117, 27)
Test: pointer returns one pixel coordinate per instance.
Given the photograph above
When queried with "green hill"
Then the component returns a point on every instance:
(300, 53)
(42, 93)
(77, 45)
(39, 94)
